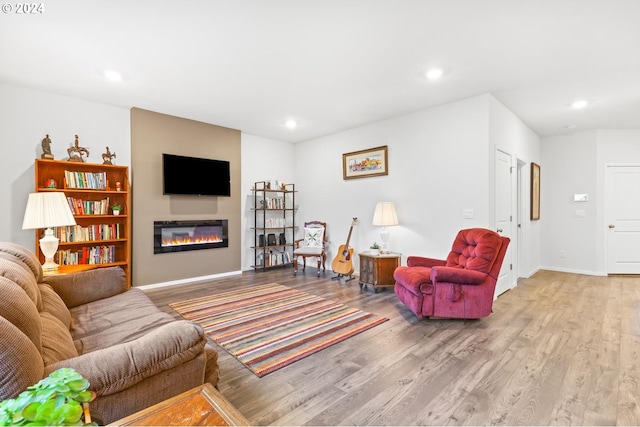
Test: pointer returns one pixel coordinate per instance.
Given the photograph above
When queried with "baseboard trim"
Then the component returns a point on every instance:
(569, 270)
(189, 280)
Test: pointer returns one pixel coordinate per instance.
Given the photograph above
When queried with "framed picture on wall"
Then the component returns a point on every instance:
(535, 191)
(365, 163)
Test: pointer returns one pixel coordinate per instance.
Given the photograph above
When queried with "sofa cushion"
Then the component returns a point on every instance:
(57, 344)
(52, 303)
(26, 281)
(19, 310)
(313, 237)
(87, 286)
(115, 320)
(25, 255)
(20, 361)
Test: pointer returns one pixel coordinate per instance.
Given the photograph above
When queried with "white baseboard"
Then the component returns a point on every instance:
(569, 270)
(189, 280)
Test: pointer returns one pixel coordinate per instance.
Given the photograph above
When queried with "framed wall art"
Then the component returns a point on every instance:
(365, 163)
(535, 191)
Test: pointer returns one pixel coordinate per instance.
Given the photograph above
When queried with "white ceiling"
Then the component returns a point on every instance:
(334, 64)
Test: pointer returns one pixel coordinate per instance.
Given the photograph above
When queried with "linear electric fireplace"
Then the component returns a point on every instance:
(178, 236)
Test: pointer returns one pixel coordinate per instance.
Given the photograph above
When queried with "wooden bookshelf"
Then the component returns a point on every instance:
(99, 238)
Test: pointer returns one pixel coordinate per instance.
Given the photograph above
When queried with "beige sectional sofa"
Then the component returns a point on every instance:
(133, 354)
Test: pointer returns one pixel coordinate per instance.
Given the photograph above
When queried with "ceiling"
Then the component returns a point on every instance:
(332, 65)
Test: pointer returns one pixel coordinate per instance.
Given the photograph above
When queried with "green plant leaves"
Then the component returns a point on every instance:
(53, 401)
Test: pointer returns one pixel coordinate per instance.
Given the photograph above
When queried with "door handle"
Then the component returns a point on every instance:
(612, 226)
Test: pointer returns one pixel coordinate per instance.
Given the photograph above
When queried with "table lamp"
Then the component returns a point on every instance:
(385, 215)
(46, 210)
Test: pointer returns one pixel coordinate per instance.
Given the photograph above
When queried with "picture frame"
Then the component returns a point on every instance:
(535, 191)
(365, 163)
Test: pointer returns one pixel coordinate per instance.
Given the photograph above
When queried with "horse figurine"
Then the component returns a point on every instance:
(106, 157)
(79, 151)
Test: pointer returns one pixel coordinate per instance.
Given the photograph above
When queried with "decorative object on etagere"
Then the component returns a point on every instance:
(107, 157)
(385, 215)
(46, 148)
(116, 208)
(79, 152)
(46, 210)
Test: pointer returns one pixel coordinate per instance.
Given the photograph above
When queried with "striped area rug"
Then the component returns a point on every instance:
(267, 327)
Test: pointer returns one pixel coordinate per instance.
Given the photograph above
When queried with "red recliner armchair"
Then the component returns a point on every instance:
(462, 286)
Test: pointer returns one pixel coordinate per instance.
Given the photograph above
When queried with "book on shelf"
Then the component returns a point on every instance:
(85, 180)
(88, 207)
(105, 254)
(94, 232)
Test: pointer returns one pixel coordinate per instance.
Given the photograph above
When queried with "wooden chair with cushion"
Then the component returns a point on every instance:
(311, 246)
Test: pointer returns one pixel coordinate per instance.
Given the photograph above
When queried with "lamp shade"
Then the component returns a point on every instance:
(385, 214)
(47, 209)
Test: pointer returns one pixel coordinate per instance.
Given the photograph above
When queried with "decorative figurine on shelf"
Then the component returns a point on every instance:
(46, 148)
(106, 157)
(79, 151)
(50, 183)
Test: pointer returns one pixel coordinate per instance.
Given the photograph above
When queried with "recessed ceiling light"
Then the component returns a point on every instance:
(291, 124)
(570, 127)
(434, 74)
(113, 76)
(579, 104)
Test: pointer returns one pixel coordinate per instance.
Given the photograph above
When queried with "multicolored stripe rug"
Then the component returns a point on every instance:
(267, 327)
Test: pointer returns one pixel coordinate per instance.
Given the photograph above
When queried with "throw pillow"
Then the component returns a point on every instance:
(313, 236)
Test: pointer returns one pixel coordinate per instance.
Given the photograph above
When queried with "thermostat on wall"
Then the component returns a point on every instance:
(580, 197)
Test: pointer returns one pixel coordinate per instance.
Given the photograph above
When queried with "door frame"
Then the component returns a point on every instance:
(605, 216)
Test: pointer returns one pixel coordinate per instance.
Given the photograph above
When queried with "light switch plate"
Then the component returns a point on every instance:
(467, 213)
(580, 197)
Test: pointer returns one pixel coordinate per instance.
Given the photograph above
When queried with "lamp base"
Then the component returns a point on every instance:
(49, 246)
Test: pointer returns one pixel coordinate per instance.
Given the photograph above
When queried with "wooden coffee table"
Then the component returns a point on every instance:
(200, 406)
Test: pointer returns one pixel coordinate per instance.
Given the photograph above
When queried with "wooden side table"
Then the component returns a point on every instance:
(200, 406)
(377, 270)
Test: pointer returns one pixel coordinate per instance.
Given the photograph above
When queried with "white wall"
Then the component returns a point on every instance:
(263, 159)
(509, 134)
(575, 164)
(26, 116)
(438, 166)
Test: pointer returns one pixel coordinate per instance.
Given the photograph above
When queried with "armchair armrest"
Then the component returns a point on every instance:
(457, 275)
(117, 368)
(88, 286)
(419, 261)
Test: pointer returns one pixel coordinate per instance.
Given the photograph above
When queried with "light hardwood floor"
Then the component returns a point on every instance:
(559, 349)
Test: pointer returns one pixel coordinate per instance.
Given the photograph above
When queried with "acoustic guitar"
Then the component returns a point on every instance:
(342, 264)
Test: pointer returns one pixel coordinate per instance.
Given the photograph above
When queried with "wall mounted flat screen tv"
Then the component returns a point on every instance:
(195, 176)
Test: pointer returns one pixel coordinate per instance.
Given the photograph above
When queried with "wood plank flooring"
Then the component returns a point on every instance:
(559, 349)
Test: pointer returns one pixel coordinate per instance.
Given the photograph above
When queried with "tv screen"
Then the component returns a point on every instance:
(195, 176)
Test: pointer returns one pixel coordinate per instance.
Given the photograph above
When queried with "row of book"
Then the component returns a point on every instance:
(88, 255)
(274, 257)
(275, 222)
(90, 180)
(77, 233)
(88, 207)
(274, 203)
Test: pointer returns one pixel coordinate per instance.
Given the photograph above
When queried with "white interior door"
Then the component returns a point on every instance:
(622, 210)
(503, 215)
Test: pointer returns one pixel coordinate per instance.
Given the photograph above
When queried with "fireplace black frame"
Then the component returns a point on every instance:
(159, 226)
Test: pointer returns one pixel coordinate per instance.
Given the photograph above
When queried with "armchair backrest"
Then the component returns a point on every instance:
(475, 249)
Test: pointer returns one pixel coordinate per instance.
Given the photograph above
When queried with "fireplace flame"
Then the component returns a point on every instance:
(188, 240)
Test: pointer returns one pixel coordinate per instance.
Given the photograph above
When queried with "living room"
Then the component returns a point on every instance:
(441, 164)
